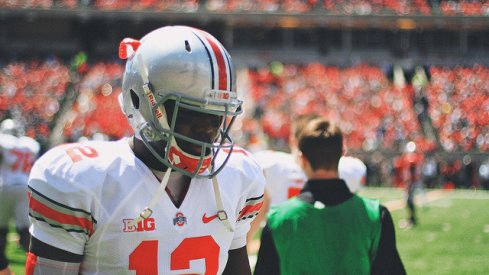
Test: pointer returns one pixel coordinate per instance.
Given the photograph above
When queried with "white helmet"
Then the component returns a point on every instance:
(175, 70)
(11, 127)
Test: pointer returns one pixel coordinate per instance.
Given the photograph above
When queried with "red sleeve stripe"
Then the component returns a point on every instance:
(68, 219)
(249, 209)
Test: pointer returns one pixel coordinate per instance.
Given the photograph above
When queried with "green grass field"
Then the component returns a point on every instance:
(452, 236)
(15, 254)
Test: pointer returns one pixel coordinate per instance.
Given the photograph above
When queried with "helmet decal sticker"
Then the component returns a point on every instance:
(128, 47)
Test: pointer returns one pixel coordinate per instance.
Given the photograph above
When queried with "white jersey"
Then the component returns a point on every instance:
(285, 178)
(18, 156)
(83, 197)
(353, 171)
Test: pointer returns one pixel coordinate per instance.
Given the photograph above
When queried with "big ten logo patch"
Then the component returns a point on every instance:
(144, 225)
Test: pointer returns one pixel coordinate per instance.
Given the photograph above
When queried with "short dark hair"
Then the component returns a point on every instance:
(321, 143)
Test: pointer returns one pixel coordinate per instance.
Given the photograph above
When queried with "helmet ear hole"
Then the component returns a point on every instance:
(187, 46)
(135, 99)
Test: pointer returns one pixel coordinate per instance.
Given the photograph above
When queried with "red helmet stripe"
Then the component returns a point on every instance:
(223, 67)
(223, 81)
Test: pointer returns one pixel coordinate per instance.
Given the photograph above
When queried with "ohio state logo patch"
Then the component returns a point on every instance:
(180, 219)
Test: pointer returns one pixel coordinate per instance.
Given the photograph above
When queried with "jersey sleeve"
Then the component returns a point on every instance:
(60, 205)
(252, 199)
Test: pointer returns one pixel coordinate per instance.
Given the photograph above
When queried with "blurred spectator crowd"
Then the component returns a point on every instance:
(32, 92)
(373, 112)
(459, 107)
(96, 109)
(344, 7)
(378, 113)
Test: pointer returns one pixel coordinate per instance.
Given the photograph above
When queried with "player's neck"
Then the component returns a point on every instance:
(323, 174)
(177, 186)
(143, 153)
(178, 183)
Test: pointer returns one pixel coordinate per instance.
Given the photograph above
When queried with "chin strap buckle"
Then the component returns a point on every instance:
(146, 213)
(222, 215)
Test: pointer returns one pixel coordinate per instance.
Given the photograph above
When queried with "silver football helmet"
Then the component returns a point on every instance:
(179, 75)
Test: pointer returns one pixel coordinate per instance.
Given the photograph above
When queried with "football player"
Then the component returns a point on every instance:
(177, 197)
(17, 155)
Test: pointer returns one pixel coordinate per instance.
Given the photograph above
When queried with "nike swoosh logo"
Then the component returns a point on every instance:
(206, 219)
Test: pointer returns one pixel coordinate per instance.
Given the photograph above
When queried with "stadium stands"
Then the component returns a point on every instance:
(96, 109)
(459, 107)
(373, 113)
(344, 7)
(32, 92)
(343, 75)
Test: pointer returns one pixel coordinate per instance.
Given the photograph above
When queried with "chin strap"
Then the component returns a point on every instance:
(221, 213)
(146, 213)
